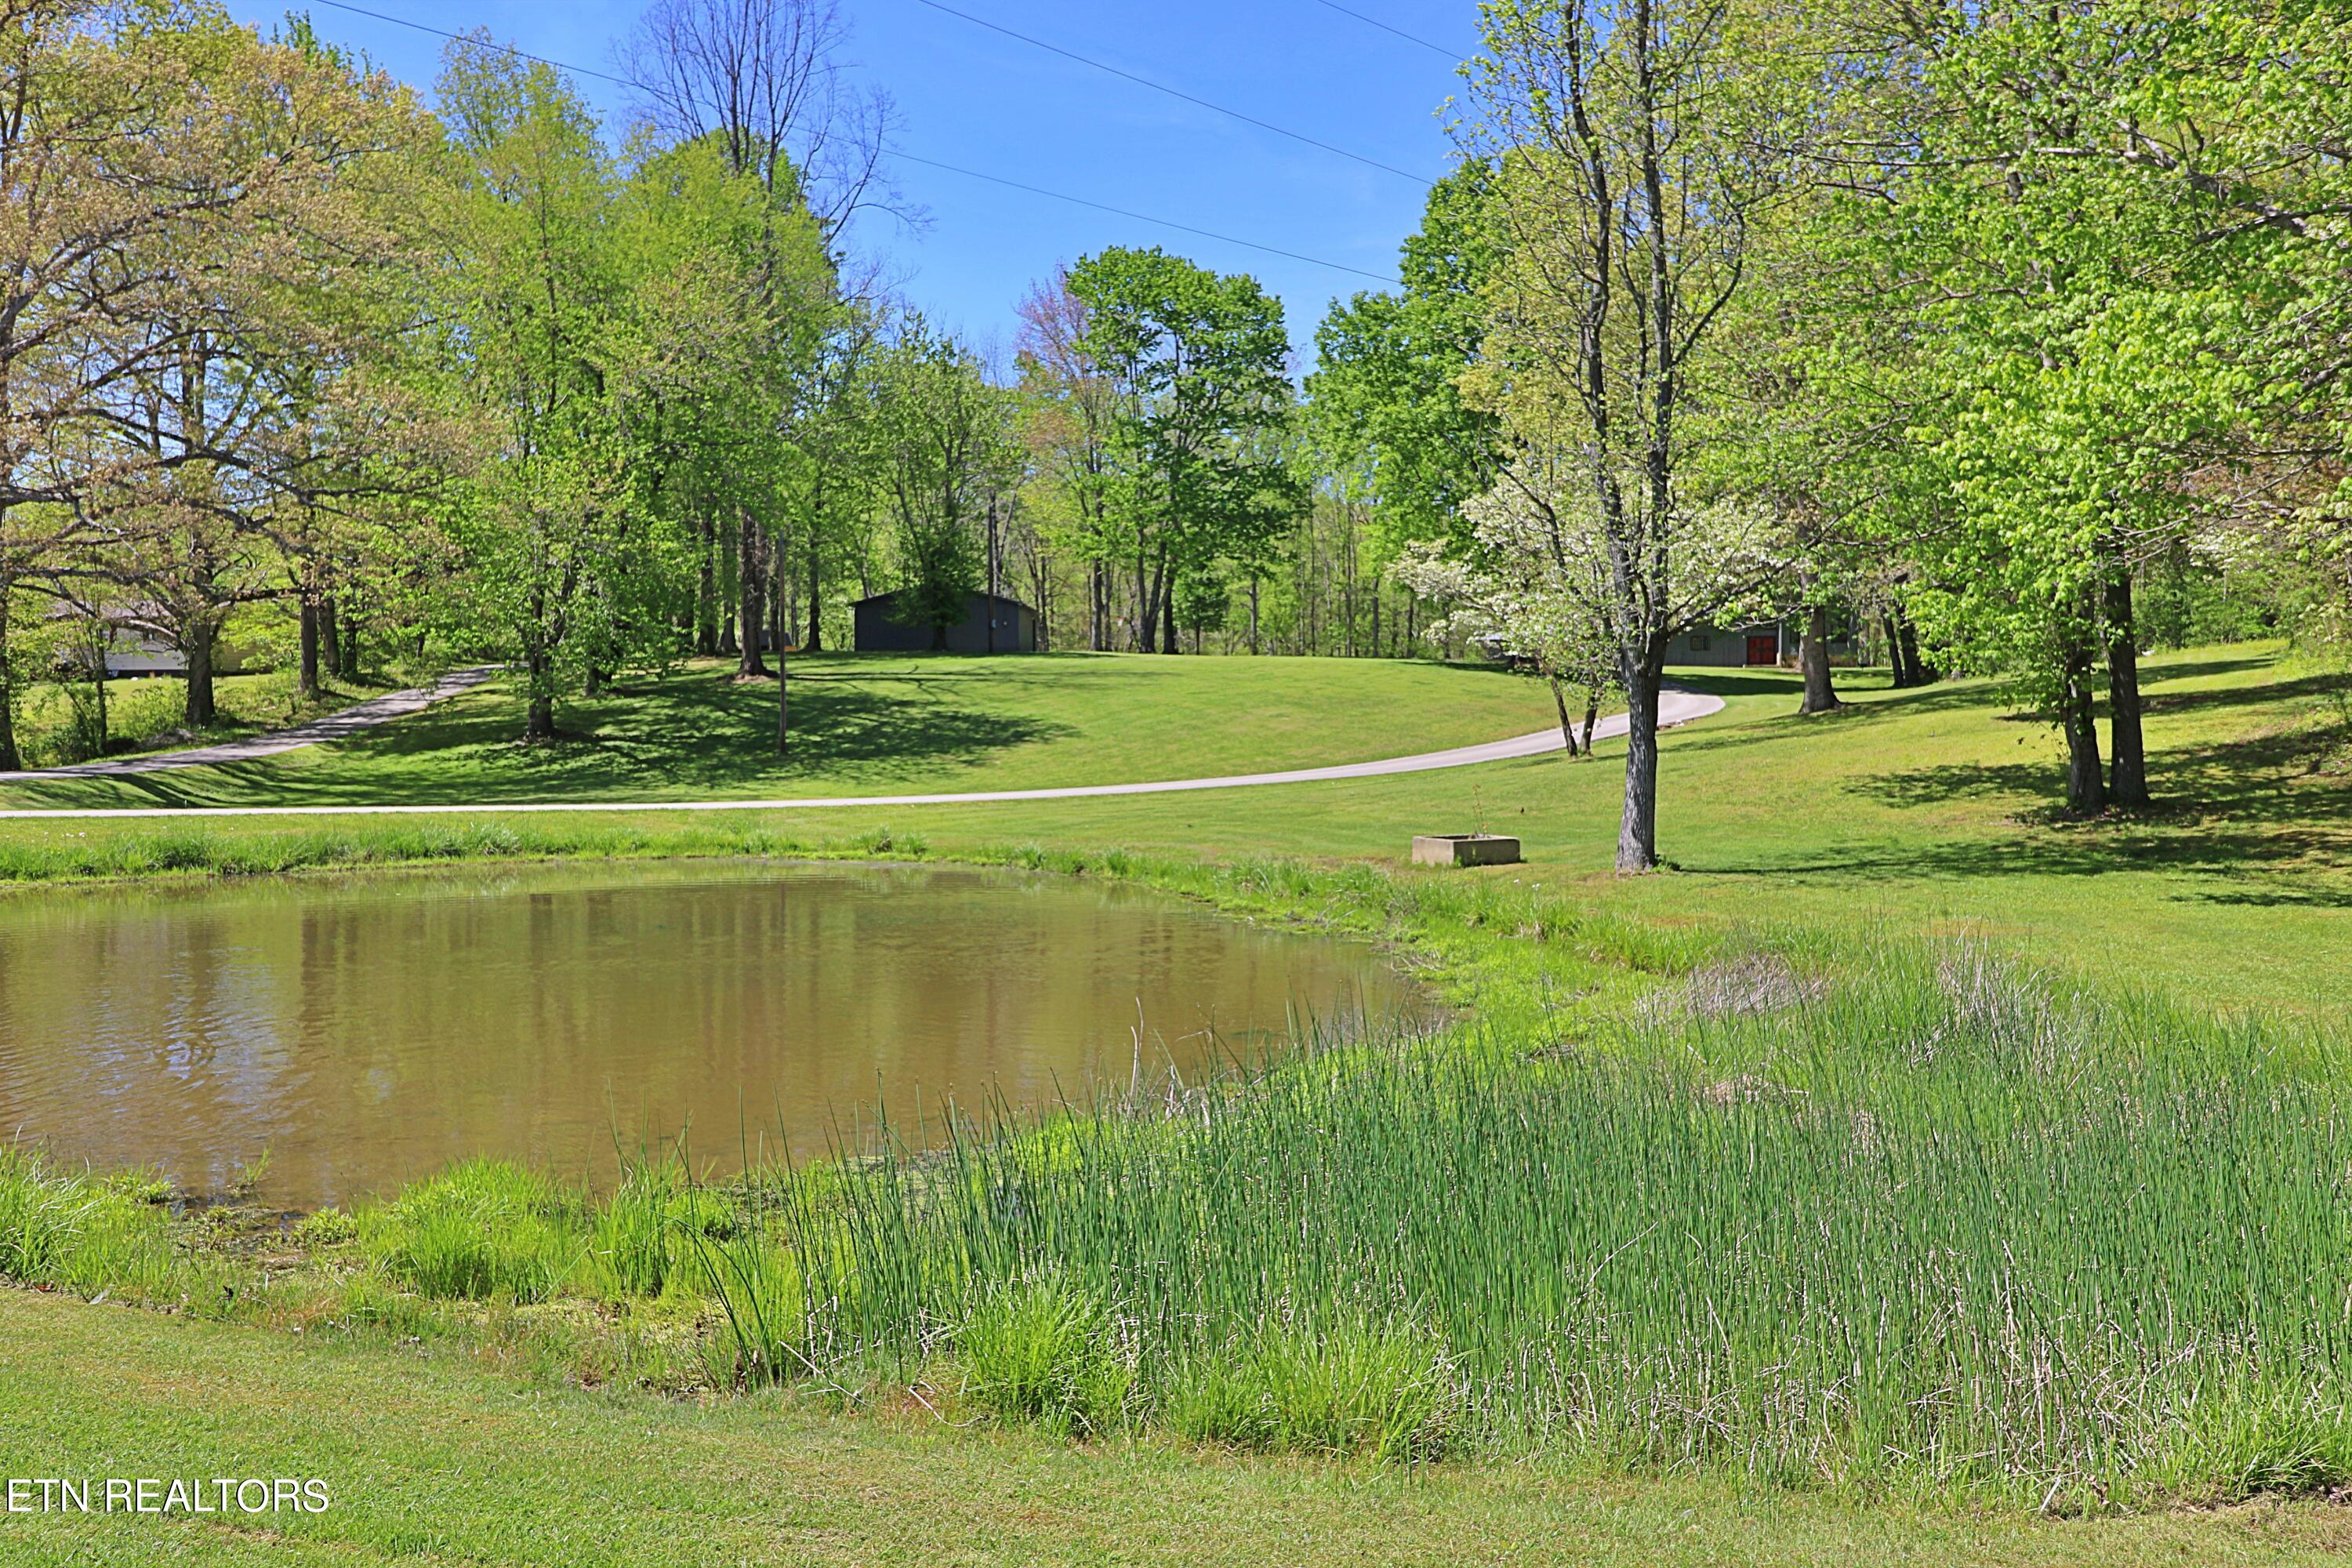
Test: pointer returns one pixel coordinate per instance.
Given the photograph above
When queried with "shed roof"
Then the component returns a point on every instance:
(976, 594)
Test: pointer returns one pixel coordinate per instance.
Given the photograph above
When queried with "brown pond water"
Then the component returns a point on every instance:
(364, 1031)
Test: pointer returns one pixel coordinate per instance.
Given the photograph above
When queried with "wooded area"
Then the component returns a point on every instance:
(2017, 339)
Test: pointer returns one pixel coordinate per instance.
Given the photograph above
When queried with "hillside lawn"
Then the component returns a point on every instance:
(1909, 811)
(876, 725)
(1912, 811)
(149, 713)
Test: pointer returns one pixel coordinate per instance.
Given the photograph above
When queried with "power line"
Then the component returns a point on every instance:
(1186, 97)
(895, 151)
(478, 43)
(1400, 32)
(1146, 218)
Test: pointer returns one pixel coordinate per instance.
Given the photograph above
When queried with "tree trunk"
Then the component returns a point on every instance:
(816, 602)
(2086, 789)
(200, 710)
(11, 759)
(1253, 637)
(780, 616)
(1567, 728)
(539, 718)
(2128, 784)
(995, 581)
(330, 642)
(1592, 717)
(1914, 670)
(1898, 672)
(749, 615)
(1637, 828)
(347, 644)
(783, 704)
(706, 592)
(306, 679)
(1146, 630)
(1813, 654)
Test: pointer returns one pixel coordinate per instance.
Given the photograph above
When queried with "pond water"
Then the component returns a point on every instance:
(363, 1031)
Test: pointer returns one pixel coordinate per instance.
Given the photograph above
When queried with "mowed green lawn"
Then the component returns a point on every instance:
(1912, 810)
(1916, 810)
(147, 714)
(877, 724)
(430, 1459)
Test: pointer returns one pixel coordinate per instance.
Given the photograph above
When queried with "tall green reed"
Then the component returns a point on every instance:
(1938, 1222)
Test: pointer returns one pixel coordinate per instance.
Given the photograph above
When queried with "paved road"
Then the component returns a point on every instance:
(335, 726)
(1675, 707)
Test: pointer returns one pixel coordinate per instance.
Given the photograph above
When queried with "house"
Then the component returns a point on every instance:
(1757, 643)
(131, 650)
(992, 624)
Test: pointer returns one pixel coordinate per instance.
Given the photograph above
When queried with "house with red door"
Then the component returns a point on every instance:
(1766, 643)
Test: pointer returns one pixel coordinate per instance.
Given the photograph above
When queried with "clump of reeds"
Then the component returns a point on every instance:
(480, 1229)
(88, 1235)
(1963, 1227)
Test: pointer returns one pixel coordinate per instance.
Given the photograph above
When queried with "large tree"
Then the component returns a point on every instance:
(948, 443)
(1387, 389)
(165, 179)
(1640, 148)
(1194, 363)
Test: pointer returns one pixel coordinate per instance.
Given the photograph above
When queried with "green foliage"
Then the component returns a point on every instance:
(1931, 1220)
(1044, 1352)
(483, 1228)
(947, 439)
(1387, 391)
(1193, 362)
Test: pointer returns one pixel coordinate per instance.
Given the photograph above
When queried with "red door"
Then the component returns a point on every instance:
(1764, 650)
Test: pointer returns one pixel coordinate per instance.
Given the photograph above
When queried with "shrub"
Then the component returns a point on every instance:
(1043, 1351)
(1354, 1390)
(482, 1228)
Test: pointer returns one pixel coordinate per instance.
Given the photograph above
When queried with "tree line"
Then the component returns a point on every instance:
(291, 364)
(2013, 343)
(2015, 337)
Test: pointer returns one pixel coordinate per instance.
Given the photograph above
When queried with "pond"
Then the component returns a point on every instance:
(363, 1031)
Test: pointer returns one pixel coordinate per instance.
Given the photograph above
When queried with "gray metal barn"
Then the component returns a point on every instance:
(992, 624)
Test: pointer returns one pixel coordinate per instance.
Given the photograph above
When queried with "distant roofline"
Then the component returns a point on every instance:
(976, 593)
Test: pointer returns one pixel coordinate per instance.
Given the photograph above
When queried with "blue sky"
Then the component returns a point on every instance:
(970, 97)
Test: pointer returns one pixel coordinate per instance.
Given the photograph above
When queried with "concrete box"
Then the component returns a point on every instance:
(1464, 849)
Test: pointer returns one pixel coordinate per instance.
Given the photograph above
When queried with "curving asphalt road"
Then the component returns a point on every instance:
(344, 721)
(1675, 706)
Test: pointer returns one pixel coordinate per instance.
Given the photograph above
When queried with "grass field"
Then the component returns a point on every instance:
(147, 713)
(2030, 1216)
(876, 725)
(433, 1460)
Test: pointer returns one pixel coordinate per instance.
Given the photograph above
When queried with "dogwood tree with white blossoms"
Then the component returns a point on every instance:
(1539, 582)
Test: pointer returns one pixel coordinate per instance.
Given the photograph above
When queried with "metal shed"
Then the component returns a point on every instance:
(992, 624)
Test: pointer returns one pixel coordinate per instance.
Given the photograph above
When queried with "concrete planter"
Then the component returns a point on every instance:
(1464, 849)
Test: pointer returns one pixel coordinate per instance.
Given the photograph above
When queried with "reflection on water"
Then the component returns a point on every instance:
(363, 1031)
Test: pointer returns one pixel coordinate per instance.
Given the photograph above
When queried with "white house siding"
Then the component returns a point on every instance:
(1723, 646)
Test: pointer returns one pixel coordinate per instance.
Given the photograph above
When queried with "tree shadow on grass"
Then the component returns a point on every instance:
(2228, 810)
(688, 736)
